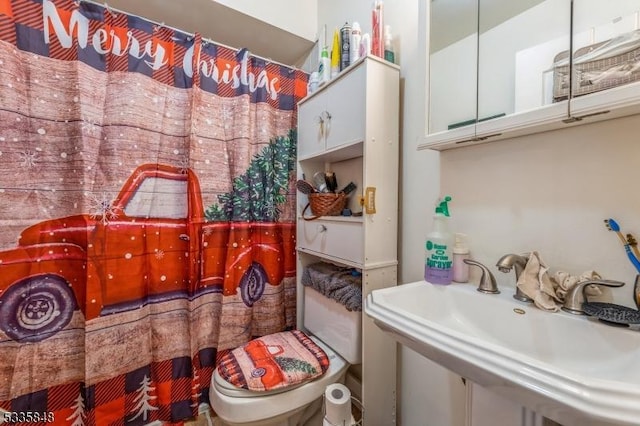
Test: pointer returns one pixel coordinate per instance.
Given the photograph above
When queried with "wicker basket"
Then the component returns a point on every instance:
(325, 204)
(598, 74)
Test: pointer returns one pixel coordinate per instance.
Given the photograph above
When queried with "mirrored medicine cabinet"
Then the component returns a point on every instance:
(499, 68)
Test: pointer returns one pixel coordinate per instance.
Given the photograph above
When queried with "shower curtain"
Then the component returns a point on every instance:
(147, 204)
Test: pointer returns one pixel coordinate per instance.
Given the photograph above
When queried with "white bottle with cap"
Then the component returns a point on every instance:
(460, 253)
(356, 39)
(389, 53)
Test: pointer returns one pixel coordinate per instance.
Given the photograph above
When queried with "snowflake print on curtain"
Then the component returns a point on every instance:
(148, 206)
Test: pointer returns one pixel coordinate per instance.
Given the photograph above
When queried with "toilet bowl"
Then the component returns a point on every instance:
(337, 332)
(290, 406)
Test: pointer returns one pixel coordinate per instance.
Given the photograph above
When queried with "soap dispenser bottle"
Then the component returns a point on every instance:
(460, 253)
(438, 268)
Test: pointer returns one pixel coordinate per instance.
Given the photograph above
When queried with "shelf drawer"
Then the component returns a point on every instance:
(339, 239)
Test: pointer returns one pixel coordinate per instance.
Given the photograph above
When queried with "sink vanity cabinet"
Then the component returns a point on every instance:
(504, 69)
(350, 126)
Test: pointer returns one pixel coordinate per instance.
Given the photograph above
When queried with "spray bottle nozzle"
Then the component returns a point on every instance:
(443, 207)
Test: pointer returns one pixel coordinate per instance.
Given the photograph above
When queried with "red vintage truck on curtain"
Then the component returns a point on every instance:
(156, 245)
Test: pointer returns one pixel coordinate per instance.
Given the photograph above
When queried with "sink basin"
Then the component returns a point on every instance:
(571, 369)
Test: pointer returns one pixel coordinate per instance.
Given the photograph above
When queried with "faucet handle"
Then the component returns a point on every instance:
(575, 297)
(487, 280)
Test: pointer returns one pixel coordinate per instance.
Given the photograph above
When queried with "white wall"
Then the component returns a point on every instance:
(551, 192)
(279, 30)
(300, 17)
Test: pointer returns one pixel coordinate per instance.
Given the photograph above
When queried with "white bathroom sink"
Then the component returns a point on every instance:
(572, 369)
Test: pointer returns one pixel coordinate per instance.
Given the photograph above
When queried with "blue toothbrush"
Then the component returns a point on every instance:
(612, 225)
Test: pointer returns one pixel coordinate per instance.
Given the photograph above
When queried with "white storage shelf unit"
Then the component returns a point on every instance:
(350, 126)
(360, 145)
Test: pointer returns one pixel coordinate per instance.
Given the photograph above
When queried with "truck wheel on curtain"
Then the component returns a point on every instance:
(36, 308)
(252, 283)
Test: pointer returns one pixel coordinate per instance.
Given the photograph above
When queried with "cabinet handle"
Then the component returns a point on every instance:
(326, 127)
(479, 138)
(322, 228)
(574, 118)
(320, 126)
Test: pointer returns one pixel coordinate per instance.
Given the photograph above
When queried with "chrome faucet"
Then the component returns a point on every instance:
(575, 297)
(507, 263)
(487, 280)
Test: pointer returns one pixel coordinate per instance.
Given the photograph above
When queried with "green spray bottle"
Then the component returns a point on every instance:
(438, 263)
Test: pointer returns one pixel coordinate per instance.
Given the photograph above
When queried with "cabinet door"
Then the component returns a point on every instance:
(487, 408)
(518, 45)
(346, 107)
(312, 125)
(606, 55)
(453, 46)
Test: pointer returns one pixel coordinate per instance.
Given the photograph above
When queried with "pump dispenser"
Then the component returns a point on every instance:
(460, 253)
(439, 247)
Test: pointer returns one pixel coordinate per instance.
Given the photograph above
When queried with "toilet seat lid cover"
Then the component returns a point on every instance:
(274, 361)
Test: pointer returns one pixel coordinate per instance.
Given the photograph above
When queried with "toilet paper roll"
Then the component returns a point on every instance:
(337, 400)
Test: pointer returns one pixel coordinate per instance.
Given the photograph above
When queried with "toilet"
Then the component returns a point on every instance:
(330, 326)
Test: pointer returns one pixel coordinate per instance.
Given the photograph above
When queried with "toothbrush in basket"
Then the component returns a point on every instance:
(612, 225)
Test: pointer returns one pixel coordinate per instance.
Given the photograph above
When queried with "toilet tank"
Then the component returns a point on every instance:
(332, 323)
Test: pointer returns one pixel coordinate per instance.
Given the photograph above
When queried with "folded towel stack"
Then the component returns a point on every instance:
(548, 292)
(335, 282)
